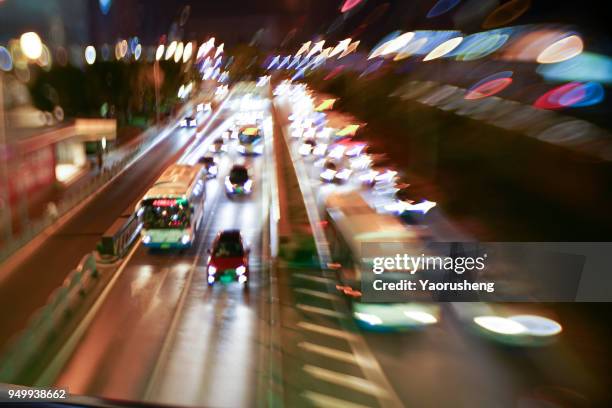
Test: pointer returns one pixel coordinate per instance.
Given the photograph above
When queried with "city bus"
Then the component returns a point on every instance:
(355, 233)
(173, 209)
(250, 140)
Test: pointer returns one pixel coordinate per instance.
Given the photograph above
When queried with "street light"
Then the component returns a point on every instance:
(31, 45)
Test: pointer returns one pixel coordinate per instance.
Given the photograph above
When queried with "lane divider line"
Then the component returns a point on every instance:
(325, 401)
(328, 352)
(321, 311)
(328, 331)
(348, 381)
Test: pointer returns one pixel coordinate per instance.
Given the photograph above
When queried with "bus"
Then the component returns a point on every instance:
(355, 232)
(172, 210)
(250, 140)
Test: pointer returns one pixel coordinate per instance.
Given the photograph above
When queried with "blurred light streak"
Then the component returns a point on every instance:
(480, 45)
(528, 46)
(562, 50)
(410, 49)
(295, 61)
(351, 48)
(284, 62)
(105, 6)
(341, 47)
(506, 13)
(500, 325)
(348, 130)
(219, 50)
(584, 67)
(441, 7)
(6, 61)
(90, 54)
(159, 53)
(187, 51)
(335, 72)
(490, 85)
(170, 50)
(443, 49)
(318, 47)
(137, 52)
(380, 47)
(304, 48)
(178, 53)
(273, 62)
(348, 5)
(537, 325)
(397, 43)
(372, 67)
(574, 94)
(327, 104)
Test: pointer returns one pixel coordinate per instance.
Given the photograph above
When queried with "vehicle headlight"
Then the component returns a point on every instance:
(193, 123)
(368, 318)
(241, 270)
(241, 148)
(183, 122)
(213, 170)
(146, 239)
(185, 239)
(248, 185)
(212, 270)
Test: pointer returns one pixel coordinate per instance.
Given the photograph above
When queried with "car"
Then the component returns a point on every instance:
(238, 182)
(218, 145)
(333, 172)
(189, 122)
(210, 164)
(228, 259)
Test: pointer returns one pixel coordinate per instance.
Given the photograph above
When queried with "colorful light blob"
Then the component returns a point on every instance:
(489, 86)
(573, 94)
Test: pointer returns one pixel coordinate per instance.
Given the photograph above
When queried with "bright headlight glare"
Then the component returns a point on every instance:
(212, 270)
(146, 239)
(241, 270)
(185, 239)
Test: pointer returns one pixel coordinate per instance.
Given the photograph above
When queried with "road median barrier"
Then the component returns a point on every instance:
(118, 239)
(28, 351)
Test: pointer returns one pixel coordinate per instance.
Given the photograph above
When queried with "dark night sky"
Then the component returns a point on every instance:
(238, 20)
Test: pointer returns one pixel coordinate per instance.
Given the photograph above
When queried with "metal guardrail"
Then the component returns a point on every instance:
(24, 351)
(119, 237)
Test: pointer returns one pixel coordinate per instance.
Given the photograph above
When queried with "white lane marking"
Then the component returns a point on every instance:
(328, 331)
(313, 278)
(317, 293)
(325, 401)
(368, 363)
(321, 311)
(345, 380)
(64, 354)
(328, 352)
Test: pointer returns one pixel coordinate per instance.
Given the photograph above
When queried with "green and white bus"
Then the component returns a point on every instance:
(173, 209)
